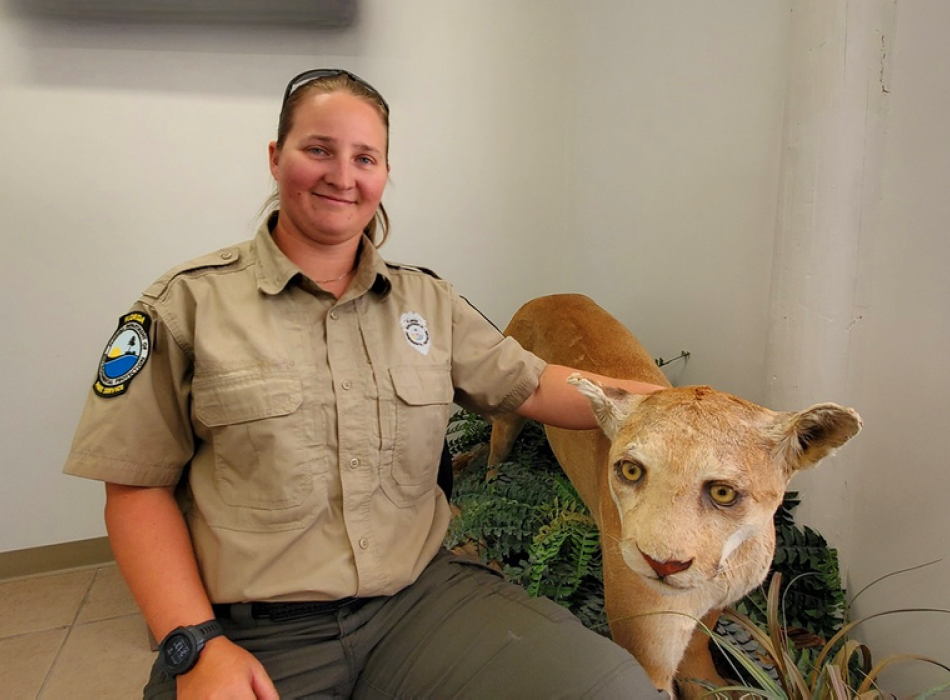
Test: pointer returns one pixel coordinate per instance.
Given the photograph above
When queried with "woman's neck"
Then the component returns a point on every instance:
(329, 264)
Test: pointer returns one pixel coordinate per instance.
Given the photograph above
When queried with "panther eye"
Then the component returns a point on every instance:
(630, 471)
(723, 494)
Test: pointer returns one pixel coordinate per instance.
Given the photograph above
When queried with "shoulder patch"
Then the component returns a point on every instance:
(220, 258)
(124, 356)
(412, 268)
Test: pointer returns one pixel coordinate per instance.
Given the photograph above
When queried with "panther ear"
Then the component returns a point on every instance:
(611, 404)
(807, 437)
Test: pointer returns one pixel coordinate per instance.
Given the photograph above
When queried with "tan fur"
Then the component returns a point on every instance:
(686, 440)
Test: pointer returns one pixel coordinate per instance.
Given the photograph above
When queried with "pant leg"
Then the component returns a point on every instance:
(462, 631)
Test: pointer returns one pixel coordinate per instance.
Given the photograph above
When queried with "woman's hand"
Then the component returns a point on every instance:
(225, 670)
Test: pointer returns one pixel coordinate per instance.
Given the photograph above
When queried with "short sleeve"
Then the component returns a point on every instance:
(135, 427)
(492, 373)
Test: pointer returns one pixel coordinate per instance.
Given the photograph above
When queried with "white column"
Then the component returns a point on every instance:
(833, 135)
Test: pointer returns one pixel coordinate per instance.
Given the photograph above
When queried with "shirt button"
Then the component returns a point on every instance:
(354, 463)
(347, 384)
(227, 255)
(364, 543)
(334, 315)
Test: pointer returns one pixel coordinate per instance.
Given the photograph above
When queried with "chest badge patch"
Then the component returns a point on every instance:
(417, 332)
(124, 356)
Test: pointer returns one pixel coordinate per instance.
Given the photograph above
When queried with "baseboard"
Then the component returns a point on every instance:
(54, 557)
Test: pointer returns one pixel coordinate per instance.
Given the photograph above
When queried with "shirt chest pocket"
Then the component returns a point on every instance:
(265, 440)
(422, 405)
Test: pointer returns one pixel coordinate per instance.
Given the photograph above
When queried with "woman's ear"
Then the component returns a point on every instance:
(273, 156)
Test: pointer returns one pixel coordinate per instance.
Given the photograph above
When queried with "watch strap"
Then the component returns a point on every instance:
(208, 629)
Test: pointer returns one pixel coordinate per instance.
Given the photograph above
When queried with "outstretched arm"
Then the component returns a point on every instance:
(557, 403)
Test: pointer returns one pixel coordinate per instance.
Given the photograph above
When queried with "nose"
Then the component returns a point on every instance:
(340, 174)
(666, 568)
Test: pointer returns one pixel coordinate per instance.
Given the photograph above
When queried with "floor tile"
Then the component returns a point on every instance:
(42, 602)
(109, 597)
(25, 660)
(104, 659)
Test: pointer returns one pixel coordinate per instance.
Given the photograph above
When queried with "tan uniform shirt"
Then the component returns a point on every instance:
(310, 428)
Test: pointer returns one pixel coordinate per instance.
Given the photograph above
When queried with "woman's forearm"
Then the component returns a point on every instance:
(557, 403)
(151, 544)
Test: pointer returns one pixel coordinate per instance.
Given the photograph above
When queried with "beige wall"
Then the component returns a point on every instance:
(630, 150)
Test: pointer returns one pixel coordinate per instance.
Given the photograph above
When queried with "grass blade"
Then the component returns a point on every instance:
(843, 632)
(775, 631)
(751, 667)
(887, 576)
(934, 692)
(838, 686)
(876, 671)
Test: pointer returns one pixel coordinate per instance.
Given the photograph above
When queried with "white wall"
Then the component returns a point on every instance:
(674, 121)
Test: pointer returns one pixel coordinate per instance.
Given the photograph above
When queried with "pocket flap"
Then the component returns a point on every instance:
(247, 395)
(420, 386)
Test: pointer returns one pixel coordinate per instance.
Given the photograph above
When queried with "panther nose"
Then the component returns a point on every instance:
(666, 568)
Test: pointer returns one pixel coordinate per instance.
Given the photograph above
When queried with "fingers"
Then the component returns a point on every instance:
(263, 687)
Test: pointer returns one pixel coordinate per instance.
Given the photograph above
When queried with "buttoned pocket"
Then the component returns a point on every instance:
(423, 402)
(265, 445)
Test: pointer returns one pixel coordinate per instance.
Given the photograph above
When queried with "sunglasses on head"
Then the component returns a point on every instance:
(311, 75)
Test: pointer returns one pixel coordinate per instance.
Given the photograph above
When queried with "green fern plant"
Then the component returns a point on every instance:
(525, 517)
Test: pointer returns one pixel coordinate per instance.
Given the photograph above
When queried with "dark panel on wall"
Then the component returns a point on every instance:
(313, 13)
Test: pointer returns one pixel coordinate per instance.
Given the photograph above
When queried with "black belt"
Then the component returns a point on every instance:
(280, 612)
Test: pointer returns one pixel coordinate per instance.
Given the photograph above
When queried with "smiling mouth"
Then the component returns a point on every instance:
(331, 198)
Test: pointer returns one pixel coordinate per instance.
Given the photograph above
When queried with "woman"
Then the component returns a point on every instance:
(268, 420)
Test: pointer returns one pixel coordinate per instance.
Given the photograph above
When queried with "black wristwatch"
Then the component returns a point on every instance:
(179, 651)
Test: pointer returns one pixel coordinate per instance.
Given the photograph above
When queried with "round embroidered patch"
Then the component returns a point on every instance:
(417, 332)
(124, 356)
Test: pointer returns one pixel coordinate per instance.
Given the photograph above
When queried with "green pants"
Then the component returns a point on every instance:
(459, 631)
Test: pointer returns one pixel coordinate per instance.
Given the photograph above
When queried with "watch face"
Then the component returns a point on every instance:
(177, 651)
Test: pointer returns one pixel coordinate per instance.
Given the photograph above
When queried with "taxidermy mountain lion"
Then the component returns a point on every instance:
(682, 483)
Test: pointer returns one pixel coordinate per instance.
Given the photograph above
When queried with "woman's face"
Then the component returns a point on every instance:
(332, 168)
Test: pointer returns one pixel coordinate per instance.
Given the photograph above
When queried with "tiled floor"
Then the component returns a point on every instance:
(74, 634)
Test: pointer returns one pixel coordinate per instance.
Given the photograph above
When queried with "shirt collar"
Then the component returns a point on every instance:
(275, 270)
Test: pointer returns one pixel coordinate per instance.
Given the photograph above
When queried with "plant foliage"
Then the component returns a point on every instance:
(840, 669)
(814, 599)
(525, 517)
